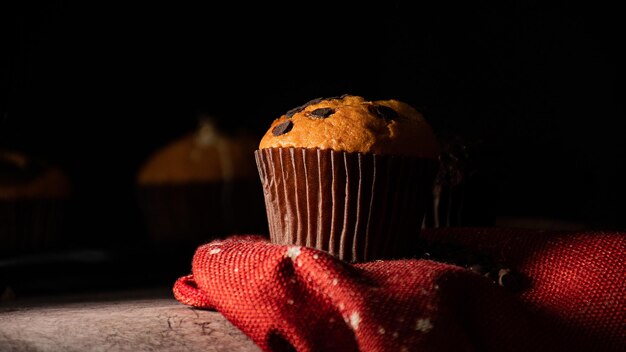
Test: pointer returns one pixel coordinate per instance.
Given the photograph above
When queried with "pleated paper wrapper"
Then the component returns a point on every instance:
(358, 207)
(194, 213)
(31, 225)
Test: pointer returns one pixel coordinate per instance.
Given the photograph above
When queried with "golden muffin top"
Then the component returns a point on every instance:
(350, 123)
(23, 177)
(204, 155)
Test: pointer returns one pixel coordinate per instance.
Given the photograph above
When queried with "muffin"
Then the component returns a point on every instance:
(349, 176)
(34, 197)
(201, 186)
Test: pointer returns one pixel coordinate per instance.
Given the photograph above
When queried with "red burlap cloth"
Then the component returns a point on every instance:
(573, 296)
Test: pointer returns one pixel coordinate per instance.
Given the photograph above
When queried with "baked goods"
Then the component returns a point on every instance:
(33, 202)
(349, 176)
(201, 186)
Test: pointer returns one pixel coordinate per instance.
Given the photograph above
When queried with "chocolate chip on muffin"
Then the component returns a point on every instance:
(383, 112)
(321, 113)
(296, 110)
(282, 128)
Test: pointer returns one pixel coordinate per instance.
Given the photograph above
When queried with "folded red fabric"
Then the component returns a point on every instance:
(572, 294)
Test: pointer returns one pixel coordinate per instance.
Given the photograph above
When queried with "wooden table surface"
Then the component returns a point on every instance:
(147, 319)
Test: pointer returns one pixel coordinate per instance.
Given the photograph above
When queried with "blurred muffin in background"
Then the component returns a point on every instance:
(34, 197)
(201, 186)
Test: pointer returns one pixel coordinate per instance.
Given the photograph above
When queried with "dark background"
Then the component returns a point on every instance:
(96, 87)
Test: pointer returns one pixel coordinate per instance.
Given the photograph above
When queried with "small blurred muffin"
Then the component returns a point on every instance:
(201, 186)
(34, 197)
(349, 176)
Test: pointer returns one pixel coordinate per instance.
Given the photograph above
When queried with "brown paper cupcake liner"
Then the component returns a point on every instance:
(31, 225)
(198, 212)
(358, 207)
